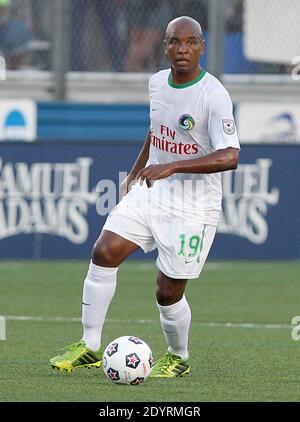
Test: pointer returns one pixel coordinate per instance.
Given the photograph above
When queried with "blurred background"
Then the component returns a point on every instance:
(126, 35)
(74, 112)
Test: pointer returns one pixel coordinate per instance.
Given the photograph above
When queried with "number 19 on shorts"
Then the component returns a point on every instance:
(190, 247)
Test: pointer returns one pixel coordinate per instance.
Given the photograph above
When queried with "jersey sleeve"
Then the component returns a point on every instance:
(221, 124)
(152, 86)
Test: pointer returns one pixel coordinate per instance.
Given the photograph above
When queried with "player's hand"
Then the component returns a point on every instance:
(155, 172)
(126, 185)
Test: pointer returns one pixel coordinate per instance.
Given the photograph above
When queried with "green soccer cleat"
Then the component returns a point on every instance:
(170, 366)
(77, 355)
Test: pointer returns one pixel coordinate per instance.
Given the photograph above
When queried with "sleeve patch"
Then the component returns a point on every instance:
(228, 126)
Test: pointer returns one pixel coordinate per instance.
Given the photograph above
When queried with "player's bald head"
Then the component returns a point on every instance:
(184, 23)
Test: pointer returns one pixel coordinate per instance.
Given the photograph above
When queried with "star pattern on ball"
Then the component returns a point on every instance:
(135, 340)
(137, 381)
(113, 374)
(112, 348)
(132, 360)
(151, 360)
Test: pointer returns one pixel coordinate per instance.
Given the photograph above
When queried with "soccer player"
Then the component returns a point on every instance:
(174, 204)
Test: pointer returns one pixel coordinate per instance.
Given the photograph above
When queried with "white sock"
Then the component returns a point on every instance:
(175, 321)
(98, 291)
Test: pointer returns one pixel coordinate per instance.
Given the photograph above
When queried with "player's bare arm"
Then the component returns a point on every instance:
(221, 160)
(138, 165)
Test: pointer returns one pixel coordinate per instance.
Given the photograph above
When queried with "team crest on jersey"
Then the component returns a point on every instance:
(228, 126)
(186, 122)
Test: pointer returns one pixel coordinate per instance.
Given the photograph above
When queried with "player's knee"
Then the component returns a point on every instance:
(164, 296)
(103, 256)
(167, 294)
(169, 291)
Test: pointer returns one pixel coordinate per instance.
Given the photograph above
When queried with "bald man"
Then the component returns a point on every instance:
(171, 201)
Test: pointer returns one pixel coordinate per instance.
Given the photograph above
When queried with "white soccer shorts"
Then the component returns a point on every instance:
(183, 244)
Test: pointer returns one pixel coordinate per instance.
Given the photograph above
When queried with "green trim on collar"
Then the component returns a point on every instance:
(187, 84)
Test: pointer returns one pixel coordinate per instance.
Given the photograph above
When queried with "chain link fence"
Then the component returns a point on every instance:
(258, 36)
(26, 34)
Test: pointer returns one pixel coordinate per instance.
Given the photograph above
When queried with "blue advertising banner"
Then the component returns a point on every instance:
(54, 200)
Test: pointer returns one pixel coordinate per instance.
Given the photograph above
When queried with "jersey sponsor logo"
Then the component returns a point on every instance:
(172, 147)
(166, 131)
(228, 126)
(186, 122)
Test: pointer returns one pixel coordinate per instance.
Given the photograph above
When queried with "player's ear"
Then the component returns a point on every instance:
(202, 47)
(165, 46)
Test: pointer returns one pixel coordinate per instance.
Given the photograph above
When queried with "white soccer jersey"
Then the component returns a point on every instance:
(189, 121)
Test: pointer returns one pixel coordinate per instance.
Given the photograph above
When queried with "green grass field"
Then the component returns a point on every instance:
(238, 362)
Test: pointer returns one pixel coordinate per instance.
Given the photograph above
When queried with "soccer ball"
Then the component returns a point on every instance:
(127, 360)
